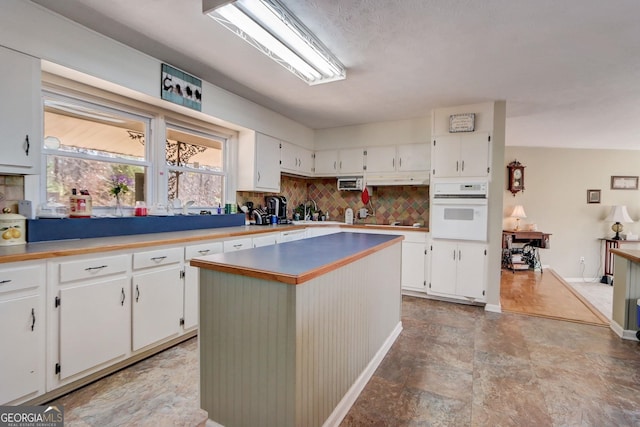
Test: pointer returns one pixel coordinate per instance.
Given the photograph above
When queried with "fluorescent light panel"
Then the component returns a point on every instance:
(272, 29)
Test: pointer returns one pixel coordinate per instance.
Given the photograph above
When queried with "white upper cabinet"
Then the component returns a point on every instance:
(400, 158)
(259, 163)
(20, 113)
(348, 161)
(295, 159)
(466, 155)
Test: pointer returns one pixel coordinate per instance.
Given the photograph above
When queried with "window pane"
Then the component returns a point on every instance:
(204, 189)
(91, 131)
(195, 151)
(66, 173)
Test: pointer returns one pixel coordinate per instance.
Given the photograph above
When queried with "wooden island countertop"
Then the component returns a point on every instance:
(299, 261)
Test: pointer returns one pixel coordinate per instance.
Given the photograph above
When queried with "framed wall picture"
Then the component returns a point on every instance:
(624, 182)
(593, 196)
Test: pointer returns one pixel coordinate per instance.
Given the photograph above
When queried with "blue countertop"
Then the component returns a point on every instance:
(299, 261)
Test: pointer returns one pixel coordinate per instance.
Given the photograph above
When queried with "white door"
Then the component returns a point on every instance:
(351, 161)
(305, 161)
(445, 156)
(471, 270)
(326, 162)
(19, 112)
(94, 324)
(414, 157)
(474, 154)
(20, 369)
(267, 162)
(381, 159)
(413, 266)
(444, 258)
(157, 305)
(288, 157)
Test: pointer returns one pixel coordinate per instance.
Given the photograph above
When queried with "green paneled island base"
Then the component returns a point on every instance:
(291, 333)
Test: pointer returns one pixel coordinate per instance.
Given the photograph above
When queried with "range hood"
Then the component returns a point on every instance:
(397, 179)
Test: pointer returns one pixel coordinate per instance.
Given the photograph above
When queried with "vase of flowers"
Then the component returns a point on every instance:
(119, 186)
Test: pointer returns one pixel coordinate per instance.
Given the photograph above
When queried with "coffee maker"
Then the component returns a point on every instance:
(277, 205)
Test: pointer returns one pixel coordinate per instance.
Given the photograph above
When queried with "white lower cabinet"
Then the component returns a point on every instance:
(90, 315)
(157, 293)
(458, 269)
(22, 316)
(192, 280)
(414, 266)
(269, 239)
(292, 235)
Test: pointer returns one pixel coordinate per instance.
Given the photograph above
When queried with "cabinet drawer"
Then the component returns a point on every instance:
(237, 244)
(12, 279)
(94, 267)
(202, 250)
(156, 258)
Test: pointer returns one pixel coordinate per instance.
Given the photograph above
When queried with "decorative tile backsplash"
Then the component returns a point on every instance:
(404, 204)
(11, 191)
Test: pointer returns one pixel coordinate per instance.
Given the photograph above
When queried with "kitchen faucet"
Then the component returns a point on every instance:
(315, 208)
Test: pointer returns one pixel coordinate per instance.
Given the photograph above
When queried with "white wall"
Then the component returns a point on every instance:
(555, 198)
(410, 131)
(38, 32)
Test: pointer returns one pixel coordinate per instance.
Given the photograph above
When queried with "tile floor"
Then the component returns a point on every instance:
(453, 365)
(598, 294)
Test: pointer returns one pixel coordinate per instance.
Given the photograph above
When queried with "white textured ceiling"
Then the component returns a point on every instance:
(568, 69)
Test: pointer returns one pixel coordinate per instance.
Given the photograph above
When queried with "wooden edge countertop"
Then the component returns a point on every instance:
(630, 254)
(298, 261)
(59, 248)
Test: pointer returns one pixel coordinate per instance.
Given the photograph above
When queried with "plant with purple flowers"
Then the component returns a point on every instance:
(119, 185)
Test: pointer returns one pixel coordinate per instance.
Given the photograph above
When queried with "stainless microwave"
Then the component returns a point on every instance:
(351, 184)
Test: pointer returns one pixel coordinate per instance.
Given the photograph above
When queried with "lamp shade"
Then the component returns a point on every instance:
(618, 214)
(518, 212)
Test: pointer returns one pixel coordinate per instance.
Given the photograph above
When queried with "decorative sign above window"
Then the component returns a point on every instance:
(462, 122)
(181, 88)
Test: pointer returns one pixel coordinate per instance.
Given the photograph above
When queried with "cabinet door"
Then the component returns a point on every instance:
(157, 305)
(293, 235)
(305, 161)
(267, 163)
(471, 270)
(20, 113)
(445, 156)
(351, 161)
(237, 244)
(94, 324)
(381, 159)
(326, 162)
(288, 157)
(444, 256)
(474, 154)
(413, 157)
(413, 266)
(20, 369)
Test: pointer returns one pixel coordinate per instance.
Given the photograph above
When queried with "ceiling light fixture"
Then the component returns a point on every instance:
(269, 27)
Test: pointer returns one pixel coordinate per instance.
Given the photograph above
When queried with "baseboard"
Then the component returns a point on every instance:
(356, 388)
(582, 280)
(625, 334)
(494, 308)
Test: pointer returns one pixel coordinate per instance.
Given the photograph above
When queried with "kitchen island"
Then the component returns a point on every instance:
(291, 333)
(626, 292)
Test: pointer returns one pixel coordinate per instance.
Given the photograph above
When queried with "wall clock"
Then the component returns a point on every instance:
(515, 180)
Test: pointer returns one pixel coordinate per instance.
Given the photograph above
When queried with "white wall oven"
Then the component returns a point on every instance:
(459, 210)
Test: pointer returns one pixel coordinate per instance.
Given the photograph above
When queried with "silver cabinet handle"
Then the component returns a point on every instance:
(33, 318)
(459, 255)
(258, 176)
(203, 251)
(158, 258)
(27, 145)
(137, 293)
(457, 163)
(463, 166)
(454, 254)
(400, 162)
(238, 245)
(100, 267)
(393, 162)
(334, 165)
(2, 282)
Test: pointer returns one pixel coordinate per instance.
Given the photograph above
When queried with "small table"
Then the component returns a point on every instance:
(609, 244)
(537, 239)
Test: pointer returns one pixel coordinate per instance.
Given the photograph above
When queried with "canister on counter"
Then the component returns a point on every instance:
(80, 204)
(13, 228)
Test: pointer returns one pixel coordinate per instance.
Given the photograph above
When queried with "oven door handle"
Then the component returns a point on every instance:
(465, 201)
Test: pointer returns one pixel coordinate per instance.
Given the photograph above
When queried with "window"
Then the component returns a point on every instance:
(86, 145)
(195, 164)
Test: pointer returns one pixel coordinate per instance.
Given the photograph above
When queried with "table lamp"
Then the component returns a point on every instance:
(618, 215)
(518, 213)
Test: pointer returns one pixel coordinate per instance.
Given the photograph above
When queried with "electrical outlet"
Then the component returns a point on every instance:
(581, 260)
